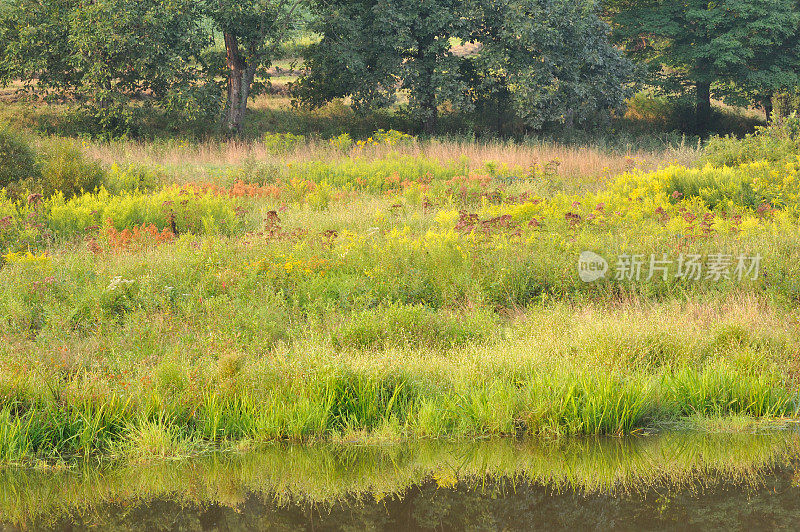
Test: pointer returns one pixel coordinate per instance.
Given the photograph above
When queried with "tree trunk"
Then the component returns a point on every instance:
(238, 86)
(703, 109)
(766, 103)
(247, 84)
(426, 91)
(427, 102)
(431, 117)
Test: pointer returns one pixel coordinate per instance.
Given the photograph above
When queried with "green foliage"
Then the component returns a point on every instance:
(545, 62)
(108, 54)
(372, 48)
(191, 210)
(648, 112)
(67, 170)
(280, 143)
(551, 62)
(776, 142)
(133, 178)
(17, 158)
(341, 143)
(380, 174)
(253, 31)
(787, 102)
(296, 47)
(734, 49)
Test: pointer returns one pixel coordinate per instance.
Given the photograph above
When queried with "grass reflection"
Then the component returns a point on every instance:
(329, 474)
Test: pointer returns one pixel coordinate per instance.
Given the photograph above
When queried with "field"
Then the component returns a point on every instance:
(211, 294)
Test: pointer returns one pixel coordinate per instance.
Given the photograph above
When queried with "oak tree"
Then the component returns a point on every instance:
(372, 50)
(107, 53)
(252, 31)
(725, 48)
(552, 58)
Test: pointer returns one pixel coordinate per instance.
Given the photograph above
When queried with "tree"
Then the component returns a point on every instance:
(726, 48)
(548, 60)
(252, 31)
(552, 58)
(774, 69)
(36, 46)
(372, 49)
(107, 53)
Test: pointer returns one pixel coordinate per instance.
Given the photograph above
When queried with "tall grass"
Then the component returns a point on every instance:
(560, 372)
(185, 161)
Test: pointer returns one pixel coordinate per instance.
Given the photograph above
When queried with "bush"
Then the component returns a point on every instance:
(183, 209)
(654, 113)
(133, 178)
(65, 169)
(772, 143)
(17, 159)
(280, 143)
(341, 143)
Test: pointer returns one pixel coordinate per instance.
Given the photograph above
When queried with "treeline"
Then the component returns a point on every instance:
(537, 62)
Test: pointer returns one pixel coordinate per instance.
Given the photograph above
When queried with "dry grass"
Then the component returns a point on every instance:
(572, 162)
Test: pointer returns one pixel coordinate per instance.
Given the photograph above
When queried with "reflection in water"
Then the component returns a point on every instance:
(668, 481)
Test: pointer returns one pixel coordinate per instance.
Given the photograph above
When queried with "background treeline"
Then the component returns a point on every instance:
(509, 66)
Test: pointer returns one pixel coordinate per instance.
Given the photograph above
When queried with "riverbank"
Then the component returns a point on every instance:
(383, 295)
(556, 370)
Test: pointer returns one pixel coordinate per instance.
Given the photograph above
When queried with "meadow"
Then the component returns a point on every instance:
(162, 298)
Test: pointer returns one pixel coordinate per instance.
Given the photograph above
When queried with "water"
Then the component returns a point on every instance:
(666, 482)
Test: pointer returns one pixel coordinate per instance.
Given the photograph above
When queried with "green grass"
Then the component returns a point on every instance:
(558, 372)
(390, 289)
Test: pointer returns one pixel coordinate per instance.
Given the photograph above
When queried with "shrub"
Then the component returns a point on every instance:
(341, 143)
(66, 169)
(280, 143)
(132, 178)
(391, 137)
(651, 112)
(774, 143)
(181, 209)
(17, 158)
(380, 174)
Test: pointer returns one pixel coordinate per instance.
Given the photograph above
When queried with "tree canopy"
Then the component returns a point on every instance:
(553, 58)
(730, 49)
(373, 49)
(107, 53)
(549, 61)
(537, 62)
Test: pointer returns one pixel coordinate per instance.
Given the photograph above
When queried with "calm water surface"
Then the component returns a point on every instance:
(666, 482)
